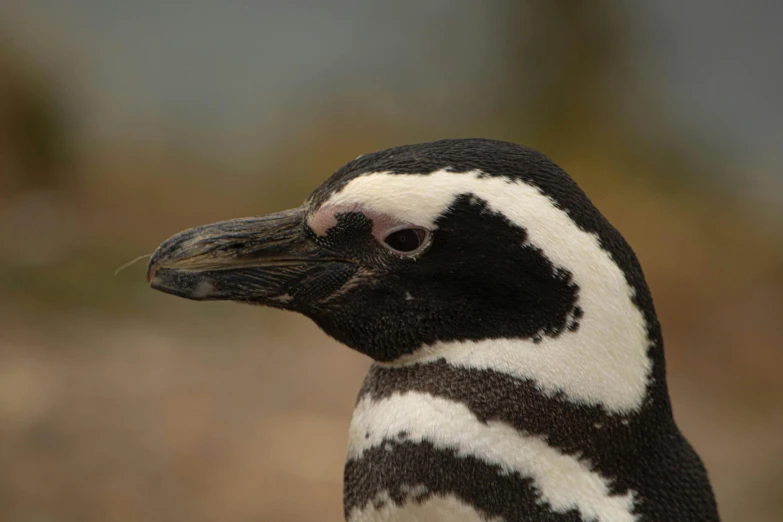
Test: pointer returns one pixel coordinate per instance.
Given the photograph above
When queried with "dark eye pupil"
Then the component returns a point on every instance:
(405, 240)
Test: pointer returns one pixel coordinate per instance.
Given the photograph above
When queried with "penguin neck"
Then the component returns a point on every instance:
(589, 386)
(495, 397)
(598, 365)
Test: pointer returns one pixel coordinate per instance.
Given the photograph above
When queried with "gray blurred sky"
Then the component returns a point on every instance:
(229, 74)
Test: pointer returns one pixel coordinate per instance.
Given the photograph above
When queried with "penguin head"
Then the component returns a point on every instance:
(431, 247)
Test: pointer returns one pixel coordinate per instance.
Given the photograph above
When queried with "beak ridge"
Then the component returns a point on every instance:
(259, 259)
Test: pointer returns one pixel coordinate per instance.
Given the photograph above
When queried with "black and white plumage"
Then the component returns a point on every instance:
(519, 371)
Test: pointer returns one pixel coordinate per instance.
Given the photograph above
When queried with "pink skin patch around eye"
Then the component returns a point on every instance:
(325, 218)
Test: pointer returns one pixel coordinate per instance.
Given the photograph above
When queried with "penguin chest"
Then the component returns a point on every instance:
(415, 456)
(400, 477)
(432, 509)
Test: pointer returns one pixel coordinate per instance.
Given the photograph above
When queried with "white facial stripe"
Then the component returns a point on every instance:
(445, 508)
(563, 481)
(325, 218)
(321, 221)
(402, 195)
(605, 361)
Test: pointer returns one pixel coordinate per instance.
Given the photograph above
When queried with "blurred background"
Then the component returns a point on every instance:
(123, 122)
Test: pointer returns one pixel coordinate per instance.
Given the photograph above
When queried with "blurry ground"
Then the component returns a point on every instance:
(119, 403)
(128, 421)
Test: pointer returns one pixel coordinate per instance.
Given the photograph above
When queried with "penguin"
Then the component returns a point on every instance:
(518, 367)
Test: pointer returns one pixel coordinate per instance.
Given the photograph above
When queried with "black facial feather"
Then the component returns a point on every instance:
(479, 279)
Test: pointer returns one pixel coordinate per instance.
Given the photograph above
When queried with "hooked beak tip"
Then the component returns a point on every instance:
(152, 268)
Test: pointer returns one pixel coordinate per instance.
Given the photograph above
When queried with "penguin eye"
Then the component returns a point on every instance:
(406, 240)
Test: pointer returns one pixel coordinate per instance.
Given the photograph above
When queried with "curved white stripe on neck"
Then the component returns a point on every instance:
(436, 508)
(605, 361)
(562, 481)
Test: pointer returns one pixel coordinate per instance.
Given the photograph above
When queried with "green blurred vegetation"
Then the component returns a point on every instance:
(35, 145)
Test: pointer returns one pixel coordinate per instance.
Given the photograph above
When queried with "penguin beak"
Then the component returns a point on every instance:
(263, 260)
